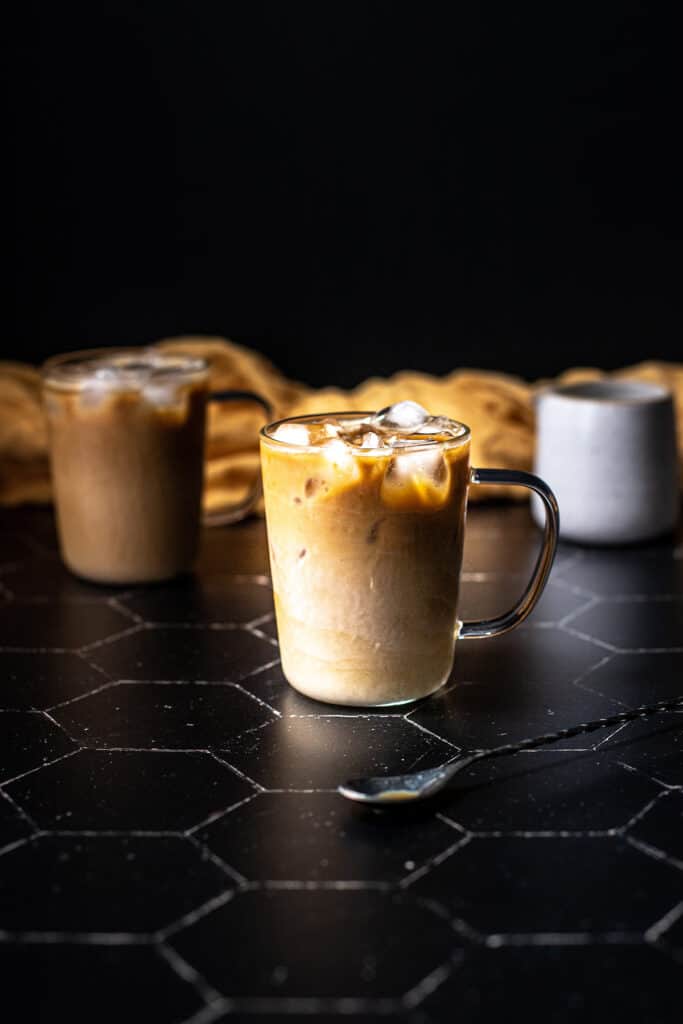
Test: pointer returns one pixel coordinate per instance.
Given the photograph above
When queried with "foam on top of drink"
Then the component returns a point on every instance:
(125, 371)
(400, 426)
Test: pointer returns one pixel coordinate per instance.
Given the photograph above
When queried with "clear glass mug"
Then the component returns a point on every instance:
(127, 430)
(366, 556)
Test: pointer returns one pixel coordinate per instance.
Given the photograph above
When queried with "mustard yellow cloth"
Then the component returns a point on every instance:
(498, 408)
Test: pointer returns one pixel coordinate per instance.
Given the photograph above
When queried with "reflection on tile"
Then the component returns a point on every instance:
(31, 680)
(193, 716)
(104, 883)
(219, 655)
(280, 953)
(240, 548)
(68, 625)
(80, 983)
(146, 790)
(218, 598)
(28, 740)
(320, 837)
(47, 578)
(320, 753)
(517, 885)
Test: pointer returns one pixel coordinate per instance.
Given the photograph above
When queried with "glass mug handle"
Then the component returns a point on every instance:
(233, 514)
(513, 617)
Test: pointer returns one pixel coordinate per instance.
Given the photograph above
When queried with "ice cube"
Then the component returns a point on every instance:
(105, 376)
(160, 394)
(435, 425)
(370, 440)
(120, 376)
(428, 464)
(339, 453)
(402, 416)
(292, 433)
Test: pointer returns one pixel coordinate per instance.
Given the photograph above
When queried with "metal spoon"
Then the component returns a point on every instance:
(420, 785)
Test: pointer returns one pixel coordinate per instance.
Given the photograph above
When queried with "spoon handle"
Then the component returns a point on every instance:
(578, 730)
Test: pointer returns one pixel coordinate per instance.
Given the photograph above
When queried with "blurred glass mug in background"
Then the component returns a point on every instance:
(608, 450)
(126, 430)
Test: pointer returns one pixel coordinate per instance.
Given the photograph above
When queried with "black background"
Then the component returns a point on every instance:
(352, 188)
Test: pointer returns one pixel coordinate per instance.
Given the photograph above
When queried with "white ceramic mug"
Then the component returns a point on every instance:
(608, 450)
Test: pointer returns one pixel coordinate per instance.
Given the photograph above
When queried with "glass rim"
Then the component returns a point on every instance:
(55, 370)
(265, 433)
(611, 392)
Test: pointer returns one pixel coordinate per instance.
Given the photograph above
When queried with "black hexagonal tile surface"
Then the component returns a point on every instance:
(208, 654)
(653, 746)
(662, 827)
(14, 548)
(562, 985)
(483, 595)
(122, 884)
(13, 825)
(545, 791)
(538, 656)
(360, 1017)
(191, 716)
(272, 687)
(33, 680)
(240, 548)
(507, 689)
(144, 790)
(269, 627)
(64, 625)
(636, 679)
(672, 939)
(27, 741)
(318, 837)
(653, 623)
(503, 886)
(370, 951)
(47, 579)
(220, 598)
(320, 753)
(344, 911)
(641, 570)
(49, 982)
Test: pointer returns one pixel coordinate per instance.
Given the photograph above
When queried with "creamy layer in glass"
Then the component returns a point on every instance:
(365, 515)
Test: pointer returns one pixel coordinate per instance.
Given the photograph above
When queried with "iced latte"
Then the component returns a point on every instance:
(365, 516)
(127, 439)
